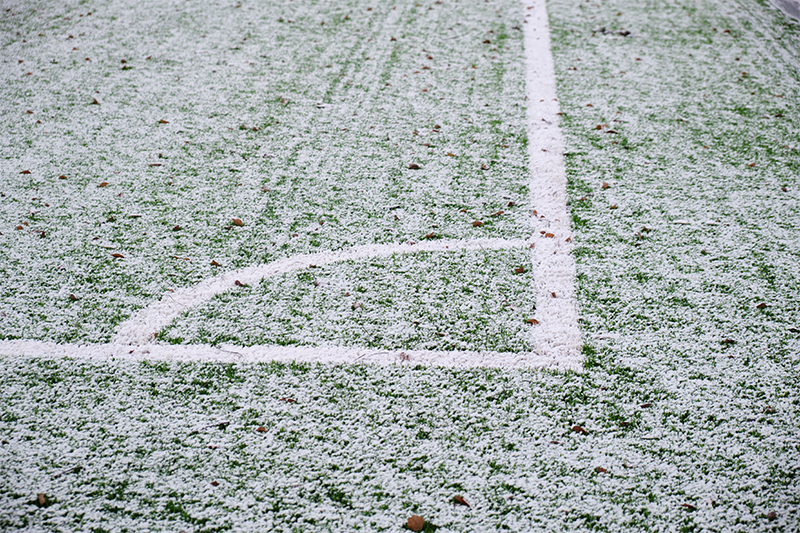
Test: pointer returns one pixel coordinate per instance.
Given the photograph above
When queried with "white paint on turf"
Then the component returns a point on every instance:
(142, 327)
(557, 335)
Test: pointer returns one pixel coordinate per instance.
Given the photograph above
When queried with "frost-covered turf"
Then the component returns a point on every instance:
(689, 402)
(300, 119)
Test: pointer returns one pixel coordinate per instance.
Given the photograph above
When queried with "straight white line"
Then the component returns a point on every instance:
(557, 335)
(260, 354)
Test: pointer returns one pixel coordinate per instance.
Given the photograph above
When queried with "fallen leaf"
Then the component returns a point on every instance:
(728, 341)
(751, 165)
(118, 256)
(497, 214)
(762, 305)
(451, 154)
(238, 222)
(415, 523)
(287, 400)
(477, 223)
(772, 515)
(356, 305)
(646, 405)
(430, 236)
(413, 166)
(612, 206)
(215, 483)
(162, 121)
(688, 506)
(239, 283)
(605, 185)
(41, 500)
(177, 228)
(461, 501)
(600, 470)
(25, 172)
(62, 177)
(553, 294)
(103, 184)
(532, 321)
(214, 263)
(261, 429)
(73, 298)
(18, 228)
(519, 270)
(155, 164)
(549, 235)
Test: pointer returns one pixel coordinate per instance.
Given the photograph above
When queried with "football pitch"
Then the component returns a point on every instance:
(322, 266)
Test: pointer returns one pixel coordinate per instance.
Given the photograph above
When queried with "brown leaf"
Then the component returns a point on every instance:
(25, 172)
(215, 483)
(430, 236)
(73, 298)
(762, 305)
(41, 500)
(519, 270)
(62, 177)
(579, 429)
(214, 263)
(162, 121)
(451, 154)
(497, 214)
(461, 501)
(605, 186)
(549, 235)
(238, 222)
(103, 184)
(646, 405)
(155, 164)
(177, 228)
(95, 102)
(511, 204)
(728, 341)
(287, 400)
(532, 321)
(612, 206)
(414, 166)
(415, 523)
(261, 429)
(477, 223)
(18, 228)
(554, 294)
(688, 506)
(600, 470)
(118, 256)
(239, 283)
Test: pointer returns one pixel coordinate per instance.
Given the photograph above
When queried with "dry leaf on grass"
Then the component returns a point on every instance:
(415, 523)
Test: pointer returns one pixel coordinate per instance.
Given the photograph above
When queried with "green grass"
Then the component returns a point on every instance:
(689, 397)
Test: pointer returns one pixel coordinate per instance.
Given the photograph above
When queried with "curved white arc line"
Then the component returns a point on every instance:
(203, 353)
(557, 335)
(141, 327)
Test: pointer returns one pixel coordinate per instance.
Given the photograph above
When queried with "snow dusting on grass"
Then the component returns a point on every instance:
(681, 130)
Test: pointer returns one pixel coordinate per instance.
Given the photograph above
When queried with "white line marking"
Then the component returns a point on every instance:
(557, 335)
(141, 328)
(260, 354)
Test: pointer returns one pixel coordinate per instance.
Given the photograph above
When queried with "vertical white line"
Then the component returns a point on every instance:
(557, 335)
